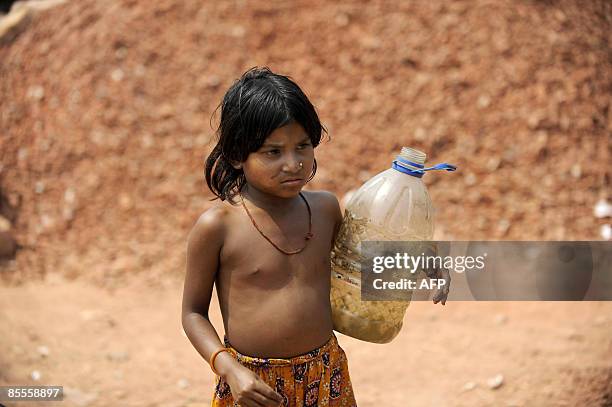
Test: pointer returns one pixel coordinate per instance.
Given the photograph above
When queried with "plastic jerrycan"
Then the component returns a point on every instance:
(392, 206)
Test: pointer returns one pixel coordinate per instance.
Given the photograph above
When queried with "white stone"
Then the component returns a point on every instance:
(117, 75)
(495, 382)
(183, 383)
(606, 232)
(35, 375)
(602, 209)
(469, 386)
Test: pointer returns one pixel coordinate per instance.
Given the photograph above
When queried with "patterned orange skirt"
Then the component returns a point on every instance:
(317, 378)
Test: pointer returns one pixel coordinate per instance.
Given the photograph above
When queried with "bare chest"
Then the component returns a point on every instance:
(249, 258)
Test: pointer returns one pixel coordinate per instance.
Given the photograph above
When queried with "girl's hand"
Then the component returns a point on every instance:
(249, 390)
(441, 293)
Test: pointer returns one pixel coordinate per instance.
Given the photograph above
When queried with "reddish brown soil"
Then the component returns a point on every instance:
(104, 126)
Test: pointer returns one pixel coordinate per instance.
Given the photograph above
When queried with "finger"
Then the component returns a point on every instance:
(262, 400)
(249, 401)
(269, 395)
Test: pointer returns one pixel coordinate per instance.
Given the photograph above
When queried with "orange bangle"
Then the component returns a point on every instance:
(212, 360)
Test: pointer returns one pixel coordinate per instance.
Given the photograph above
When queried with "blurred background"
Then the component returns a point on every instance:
(106, 117)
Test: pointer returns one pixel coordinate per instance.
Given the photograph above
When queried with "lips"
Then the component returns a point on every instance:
(292, 180)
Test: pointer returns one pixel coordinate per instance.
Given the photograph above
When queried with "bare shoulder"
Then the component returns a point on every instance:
(210, 226)
(326, 201)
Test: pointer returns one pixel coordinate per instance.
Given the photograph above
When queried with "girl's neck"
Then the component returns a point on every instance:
(267, 201)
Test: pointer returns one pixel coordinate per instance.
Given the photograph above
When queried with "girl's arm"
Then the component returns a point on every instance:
(204, 245)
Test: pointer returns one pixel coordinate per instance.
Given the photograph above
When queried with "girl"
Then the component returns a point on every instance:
(266, 246)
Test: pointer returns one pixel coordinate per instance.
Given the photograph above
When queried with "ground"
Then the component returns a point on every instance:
(105, 120)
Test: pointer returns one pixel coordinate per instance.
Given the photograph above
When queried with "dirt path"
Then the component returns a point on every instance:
(124, 346)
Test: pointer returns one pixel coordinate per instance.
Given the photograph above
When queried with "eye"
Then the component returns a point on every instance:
(272, 152)
(303, 146)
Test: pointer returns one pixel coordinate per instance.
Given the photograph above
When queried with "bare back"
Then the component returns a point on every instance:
(273, 304)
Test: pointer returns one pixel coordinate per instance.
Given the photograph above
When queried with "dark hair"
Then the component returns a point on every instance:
(253, 107)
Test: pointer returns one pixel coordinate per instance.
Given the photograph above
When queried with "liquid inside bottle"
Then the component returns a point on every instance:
(392, 206)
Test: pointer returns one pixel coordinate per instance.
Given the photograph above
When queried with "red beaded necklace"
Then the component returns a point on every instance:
(308, 236)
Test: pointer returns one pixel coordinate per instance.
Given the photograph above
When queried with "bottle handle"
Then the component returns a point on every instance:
(418, 170)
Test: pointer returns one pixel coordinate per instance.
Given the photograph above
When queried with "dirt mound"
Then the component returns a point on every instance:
(106, 105)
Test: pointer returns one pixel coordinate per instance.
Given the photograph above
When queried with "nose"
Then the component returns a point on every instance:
(292, 164)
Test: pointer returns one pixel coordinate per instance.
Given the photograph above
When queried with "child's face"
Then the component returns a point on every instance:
(283, 164)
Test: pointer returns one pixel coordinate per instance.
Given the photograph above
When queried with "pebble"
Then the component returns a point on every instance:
(183, 383)
(469, 386)
(36, 92)
(69, 195)
(43, 350)
(484, 101)
(39, 187)
(495, 382)
(501, 319)
(606, 232)
(5, 224)
(35, 375)
(117, 75)
(602, 209)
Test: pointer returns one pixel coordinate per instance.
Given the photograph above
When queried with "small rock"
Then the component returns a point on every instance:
(69, 195)
(495, 382)
(146, 141)
(88, 314)
(238, 31)
(183, 384)
(503, 225)
(420, 134)
(606, 232)
(493, 163)
(43, 350)
(470, 179)
(501, 319)
(47, 221)
(483, 101)
(576, 171)
(117, 75)
(68, 213)
(36, 92)
(39, 187)
(125, 202)
(602, 209)
(22, 154)
(165, 110)
(35, 375)
(5, 224)
(341, 20)
(574, 336)
(213, 81)
(469, 386)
